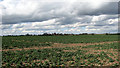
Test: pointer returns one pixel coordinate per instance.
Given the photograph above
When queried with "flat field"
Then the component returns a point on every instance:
(80, 50)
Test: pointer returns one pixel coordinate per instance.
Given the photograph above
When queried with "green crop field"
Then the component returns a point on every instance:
(80, 50)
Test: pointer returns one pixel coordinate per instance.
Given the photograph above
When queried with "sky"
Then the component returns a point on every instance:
(59, 16)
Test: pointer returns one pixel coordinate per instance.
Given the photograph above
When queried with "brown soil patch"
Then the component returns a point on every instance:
(60, 45)
(92, 51)
(69, 50)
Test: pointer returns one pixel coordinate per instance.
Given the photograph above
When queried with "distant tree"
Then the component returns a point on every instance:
(107, 34)
(27, 34)
(92, 34)
(54, 34)
(45, 34)
(84, 33)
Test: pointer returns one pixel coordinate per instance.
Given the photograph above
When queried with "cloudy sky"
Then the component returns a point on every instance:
(63, 16)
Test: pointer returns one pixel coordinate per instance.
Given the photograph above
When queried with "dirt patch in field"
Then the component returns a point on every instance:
(86, 44)
(93, 51)
(69, 50)
(60, 45)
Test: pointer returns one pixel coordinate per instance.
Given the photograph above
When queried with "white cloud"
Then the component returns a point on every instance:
(15, 11)
(39, 16)
(110, 25)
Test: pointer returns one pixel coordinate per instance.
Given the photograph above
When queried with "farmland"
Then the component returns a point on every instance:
(80, 50)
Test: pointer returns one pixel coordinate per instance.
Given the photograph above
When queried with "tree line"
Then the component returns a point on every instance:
(61, 34)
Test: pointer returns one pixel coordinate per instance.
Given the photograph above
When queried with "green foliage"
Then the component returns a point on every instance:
(57, 56)
(30, 41)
